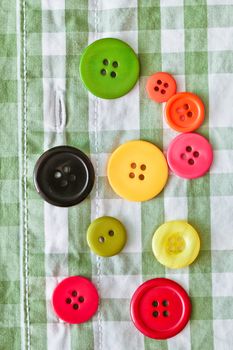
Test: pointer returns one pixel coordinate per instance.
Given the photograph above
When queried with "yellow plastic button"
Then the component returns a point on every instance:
(137, 171)
(106, 236)
(176, 244)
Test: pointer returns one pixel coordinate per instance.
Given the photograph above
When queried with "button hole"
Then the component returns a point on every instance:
(165, 303)
(189, 114)
(189, 149)
(182, 118)
(101, 239)
(75, 306)
(155, 313)
(133, 165)
(57, 174)
(68, 301)
(64, 183)
(159, 82)
(183, 156)
(191, 161)
(113, 74)
(81, 299)
(166, 85)
(115, 64)
(196, 154)
(163, 92)
(74, 293)
(131, 175)
(156, 88)
(103, 72)
(66, 169)
(72, 177)
(186, 106)
(155, 303)
(165, 313)
(143, 167)
(105, 62)
(111, 233)
(141, 177)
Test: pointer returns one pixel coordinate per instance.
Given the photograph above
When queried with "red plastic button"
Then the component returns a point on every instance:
(160, 308)
(190, 155)
(161, 86)
(184, 112)
(75, 299)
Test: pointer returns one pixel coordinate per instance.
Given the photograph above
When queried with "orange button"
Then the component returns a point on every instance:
(161, 86)
(184, 112)
(137, 171)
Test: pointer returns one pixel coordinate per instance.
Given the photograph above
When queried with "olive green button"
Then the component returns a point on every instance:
(109, 68)
(106, 236)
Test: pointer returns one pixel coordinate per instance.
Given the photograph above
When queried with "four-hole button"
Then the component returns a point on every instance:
(161, 86)
(137, 171)
(184, 112)
(190, 155)
(160, 308)
(75, 299)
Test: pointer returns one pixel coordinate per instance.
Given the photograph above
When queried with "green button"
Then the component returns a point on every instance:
(109, 68)
(106, 236)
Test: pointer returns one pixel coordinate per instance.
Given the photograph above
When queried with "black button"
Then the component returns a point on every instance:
(64, 176)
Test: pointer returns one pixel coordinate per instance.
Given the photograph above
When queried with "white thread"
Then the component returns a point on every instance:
(98, 261)
(25, 175)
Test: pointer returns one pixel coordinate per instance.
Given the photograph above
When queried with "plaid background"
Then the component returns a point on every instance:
(41, 42)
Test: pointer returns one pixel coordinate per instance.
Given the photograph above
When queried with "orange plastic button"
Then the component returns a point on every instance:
(137, 171)
(184, 112)
(161, 86)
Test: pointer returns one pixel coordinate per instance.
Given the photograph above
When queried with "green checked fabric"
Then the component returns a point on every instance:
(43, 103)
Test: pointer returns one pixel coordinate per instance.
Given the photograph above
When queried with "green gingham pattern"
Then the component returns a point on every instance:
(43, 104)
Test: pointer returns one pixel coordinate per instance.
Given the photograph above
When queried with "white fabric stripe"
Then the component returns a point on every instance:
(180, 204)
(55, 219)
(20, 147)
(100, 119)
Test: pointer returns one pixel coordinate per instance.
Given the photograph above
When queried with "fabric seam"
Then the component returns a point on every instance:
(25, 219)
(96, 107)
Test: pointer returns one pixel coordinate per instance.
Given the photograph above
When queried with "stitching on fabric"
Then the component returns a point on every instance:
(25, 176)
(96, 110)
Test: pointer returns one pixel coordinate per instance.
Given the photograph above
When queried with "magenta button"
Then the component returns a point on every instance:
(190, 155)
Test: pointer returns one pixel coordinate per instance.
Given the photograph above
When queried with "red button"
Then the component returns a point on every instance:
(75, 299)
(184, 112)
(161, 86)
(190, 155)
(160, 308)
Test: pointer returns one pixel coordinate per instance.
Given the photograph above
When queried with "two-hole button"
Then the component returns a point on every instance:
(106, 236)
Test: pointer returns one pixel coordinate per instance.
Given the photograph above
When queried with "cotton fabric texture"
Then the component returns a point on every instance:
(44, 104)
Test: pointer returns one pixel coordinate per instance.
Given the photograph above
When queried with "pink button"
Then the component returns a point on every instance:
(75, 299)
(190, 155)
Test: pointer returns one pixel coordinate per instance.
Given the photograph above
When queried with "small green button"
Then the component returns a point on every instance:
(109, 68)
(106, 236)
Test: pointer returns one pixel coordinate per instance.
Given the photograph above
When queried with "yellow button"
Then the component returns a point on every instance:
(176, 244)
(137, 171)
(106, 236)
